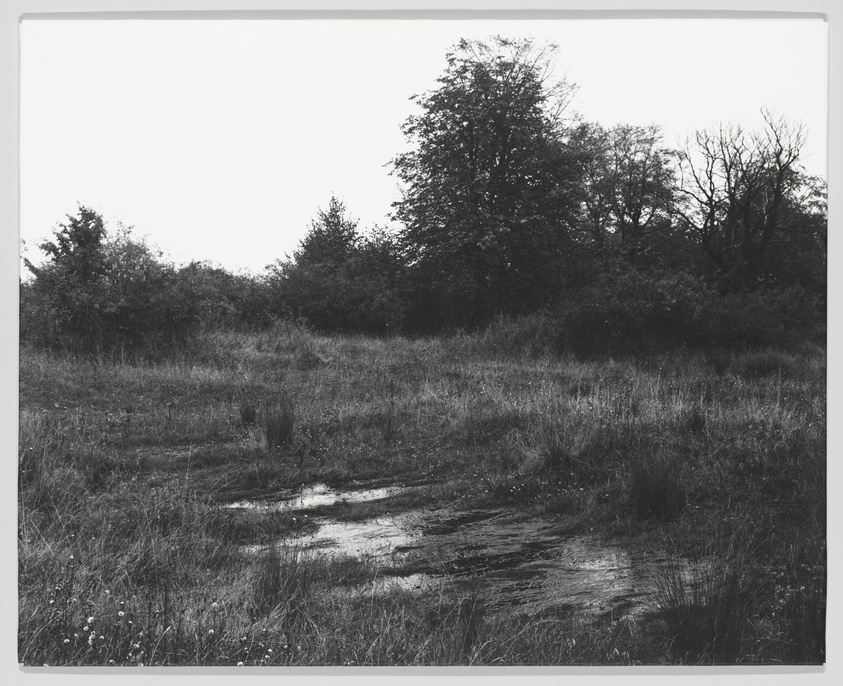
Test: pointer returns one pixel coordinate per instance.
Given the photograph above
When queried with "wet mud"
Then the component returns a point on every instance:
(515, 563)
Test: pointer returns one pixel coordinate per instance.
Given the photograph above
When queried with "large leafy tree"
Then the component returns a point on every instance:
(489, 185)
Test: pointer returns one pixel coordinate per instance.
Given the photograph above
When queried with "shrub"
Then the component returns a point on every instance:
(759, 318)
(631, 312)
(99, 292)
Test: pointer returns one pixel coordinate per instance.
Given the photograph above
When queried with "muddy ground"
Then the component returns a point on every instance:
(513, 561)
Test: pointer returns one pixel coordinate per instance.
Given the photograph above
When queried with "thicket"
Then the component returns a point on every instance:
(511, 208)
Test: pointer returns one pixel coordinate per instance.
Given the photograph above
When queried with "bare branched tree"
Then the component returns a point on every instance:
(736, 190)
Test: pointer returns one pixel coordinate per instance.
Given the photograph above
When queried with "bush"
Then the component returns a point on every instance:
(759, 318)
(631, 312)
(100, 293)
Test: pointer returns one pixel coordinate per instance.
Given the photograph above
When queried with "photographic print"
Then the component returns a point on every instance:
(417, 342)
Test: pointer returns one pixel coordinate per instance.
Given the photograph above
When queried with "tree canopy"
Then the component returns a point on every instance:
(509, 205)
(490, 184)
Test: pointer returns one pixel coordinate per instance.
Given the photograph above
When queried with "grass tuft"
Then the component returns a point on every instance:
(655, 489)
(279, 425)
(248, 413)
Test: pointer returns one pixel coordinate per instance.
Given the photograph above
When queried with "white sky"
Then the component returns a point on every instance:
(219, 140)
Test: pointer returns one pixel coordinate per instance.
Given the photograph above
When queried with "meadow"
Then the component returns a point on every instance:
(129, 555)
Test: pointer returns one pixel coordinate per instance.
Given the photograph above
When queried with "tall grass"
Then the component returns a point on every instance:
(676, 444)
(706, 605)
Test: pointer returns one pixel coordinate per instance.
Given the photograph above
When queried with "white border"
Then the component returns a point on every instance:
(10, 13)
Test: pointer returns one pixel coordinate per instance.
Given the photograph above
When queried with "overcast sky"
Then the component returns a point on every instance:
(219, 140)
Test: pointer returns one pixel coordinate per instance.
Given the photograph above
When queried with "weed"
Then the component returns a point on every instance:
(694, 419)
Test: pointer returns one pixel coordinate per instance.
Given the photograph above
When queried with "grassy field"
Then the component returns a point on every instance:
(128, 556)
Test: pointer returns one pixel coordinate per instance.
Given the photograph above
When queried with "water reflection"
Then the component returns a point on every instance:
(318, 495)
(516, 564)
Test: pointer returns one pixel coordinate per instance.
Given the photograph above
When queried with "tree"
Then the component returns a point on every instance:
(629, 183)
(340, 280)
(332, 237)
(67, 284)
(739, 192)
(489, 186)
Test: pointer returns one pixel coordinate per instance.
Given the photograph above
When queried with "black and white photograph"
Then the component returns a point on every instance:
(383, 341)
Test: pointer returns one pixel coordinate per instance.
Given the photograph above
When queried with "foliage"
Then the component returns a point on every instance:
(341, 280)
(332, 237)
(628, 185)
(487, 190)
(215, 297)
(100, 292)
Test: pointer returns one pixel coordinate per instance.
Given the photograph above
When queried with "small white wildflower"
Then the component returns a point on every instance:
(90, 620)
(214, 606)
(121, 613)
(91, 639)
(85, 628)
(239, 664)
(67, 640)
(210, 631)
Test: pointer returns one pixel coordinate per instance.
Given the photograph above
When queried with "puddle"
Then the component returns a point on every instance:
(318, 495)
(371, 538)
(514, 564)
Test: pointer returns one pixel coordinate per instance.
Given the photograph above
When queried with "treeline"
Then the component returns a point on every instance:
(598, 239)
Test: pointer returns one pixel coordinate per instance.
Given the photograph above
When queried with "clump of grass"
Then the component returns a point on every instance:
(801, 604)
(248, 413)
(388, 423)
(720, 361)
(279, 425)
(759, 363)
(281, 582)
(655, 489)
(705, 607)
(693, 419)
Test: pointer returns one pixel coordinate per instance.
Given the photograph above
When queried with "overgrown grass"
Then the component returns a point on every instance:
(124, 467)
